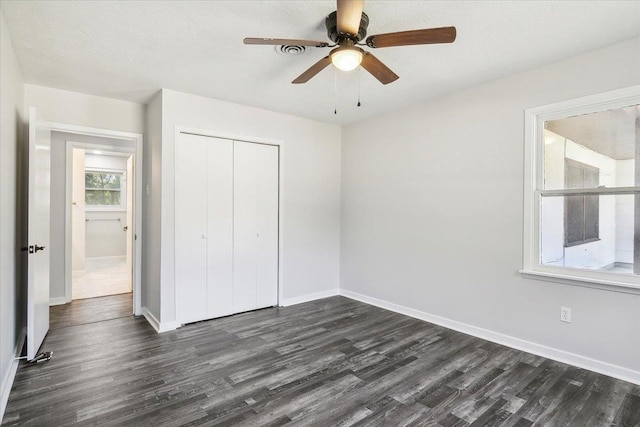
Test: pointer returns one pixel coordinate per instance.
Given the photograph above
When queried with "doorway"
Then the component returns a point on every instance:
(101, 222)
(95, 212)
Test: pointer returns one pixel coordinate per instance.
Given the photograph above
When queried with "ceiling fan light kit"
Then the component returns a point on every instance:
(346, 27)
(346, 58)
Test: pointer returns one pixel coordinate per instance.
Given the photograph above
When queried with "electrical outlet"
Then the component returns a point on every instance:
(565, 314)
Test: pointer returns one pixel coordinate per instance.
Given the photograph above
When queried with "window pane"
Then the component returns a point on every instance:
(102, 197)
(603, 239)
(96, 180)
(605, 140)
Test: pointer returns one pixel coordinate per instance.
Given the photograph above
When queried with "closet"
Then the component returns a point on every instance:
(226, 226)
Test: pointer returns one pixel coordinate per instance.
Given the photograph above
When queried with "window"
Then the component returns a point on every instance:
(103, 188)
(582, 191)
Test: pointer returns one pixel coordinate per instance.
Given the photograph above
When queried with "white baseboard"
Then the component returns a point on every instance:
(57, 301)
(309, 297)
(155, 324)
(10, 376)
(594, 365)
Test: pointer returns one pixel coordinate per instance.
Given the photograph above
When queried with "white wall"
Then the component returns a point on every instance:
(61, 106)
(311, 193)
(105, 234)
(432, 200)
(12, 295)
(106, 161)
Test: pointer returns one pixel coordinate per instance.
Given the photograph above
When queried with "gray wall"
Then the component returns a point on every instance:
(432, 212)
(152, 180)
(12, 288)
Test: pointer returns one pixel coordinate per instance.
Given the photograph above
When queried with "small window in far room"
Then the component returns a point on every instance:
(103, 188)
(582, 192)
(581, 213)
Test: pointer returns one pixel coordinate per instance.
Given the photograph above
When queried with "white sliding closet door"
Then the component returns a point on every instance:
(220, 228)
(267, 167)
(255, 240)
(191, 228)
(204, 227)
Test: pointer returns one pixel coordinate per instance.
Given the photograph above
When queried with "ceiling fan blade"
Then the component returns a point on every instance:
(349, 16)
(313, 70)
(406, 38)
(380, 71)
(285, 42)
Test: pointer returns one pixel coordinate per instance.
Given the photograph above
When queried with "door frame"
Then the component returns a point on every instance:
(70, 145)
(253, 140)
(137, 140)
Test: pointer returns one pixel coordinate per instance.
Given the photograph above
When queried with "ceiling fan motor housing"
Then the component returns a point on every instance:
(332, 29)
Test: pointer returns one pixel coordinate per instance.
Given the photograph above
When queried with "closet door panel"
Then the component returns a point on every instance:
(191, 228)
(267, 224)
(244, 227)
(220, 228)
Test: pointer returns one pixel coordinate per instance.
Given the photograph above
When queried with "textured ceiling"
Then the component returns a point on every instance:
(613, 133)
(128, 50)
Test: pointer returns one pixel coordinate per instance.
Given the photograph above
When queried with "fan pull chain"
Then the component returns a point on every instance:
(335, 91)
(359, 76)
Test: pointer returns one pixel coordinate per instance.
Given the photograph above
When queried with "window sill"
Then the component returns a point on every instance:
(585, 282)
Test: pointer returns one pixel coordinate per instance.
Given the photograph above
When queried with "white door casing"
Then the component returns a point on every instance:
(38, 234)
(129, 222)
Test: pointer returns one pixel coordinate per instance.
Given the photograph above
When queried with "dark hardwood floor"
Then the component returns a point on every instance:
(90, 310)
(328, 362)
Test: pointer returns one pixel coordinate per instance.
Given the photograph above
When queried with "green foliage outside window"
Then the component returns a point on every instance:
(102, 189)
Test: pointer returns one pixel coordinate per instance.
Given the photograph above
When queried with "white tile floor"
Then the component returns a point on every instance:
(101, 276)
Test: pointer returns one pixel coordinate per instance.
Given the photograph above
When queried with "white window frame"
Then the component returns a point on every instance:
(123, 191)
(534, 119)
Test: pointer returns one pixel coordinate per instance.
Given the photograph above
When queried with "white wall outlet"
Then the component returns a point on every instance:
(565, 314)
(147, 189)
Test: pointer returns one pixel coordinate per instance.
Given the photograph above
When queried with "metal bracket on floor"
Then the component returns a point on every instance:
(42, 357)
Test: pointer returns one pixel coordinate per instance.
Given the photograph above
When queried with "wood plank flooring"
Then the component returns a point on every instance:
(324, 363)
(79, 312)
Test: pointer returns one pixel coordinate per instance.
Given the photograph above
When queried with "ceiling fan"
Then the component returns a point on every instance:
(346, 27)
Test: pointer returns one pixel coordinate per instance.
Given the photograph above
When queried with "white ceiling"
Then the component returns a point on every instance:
(611, 132)
(128, 50)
